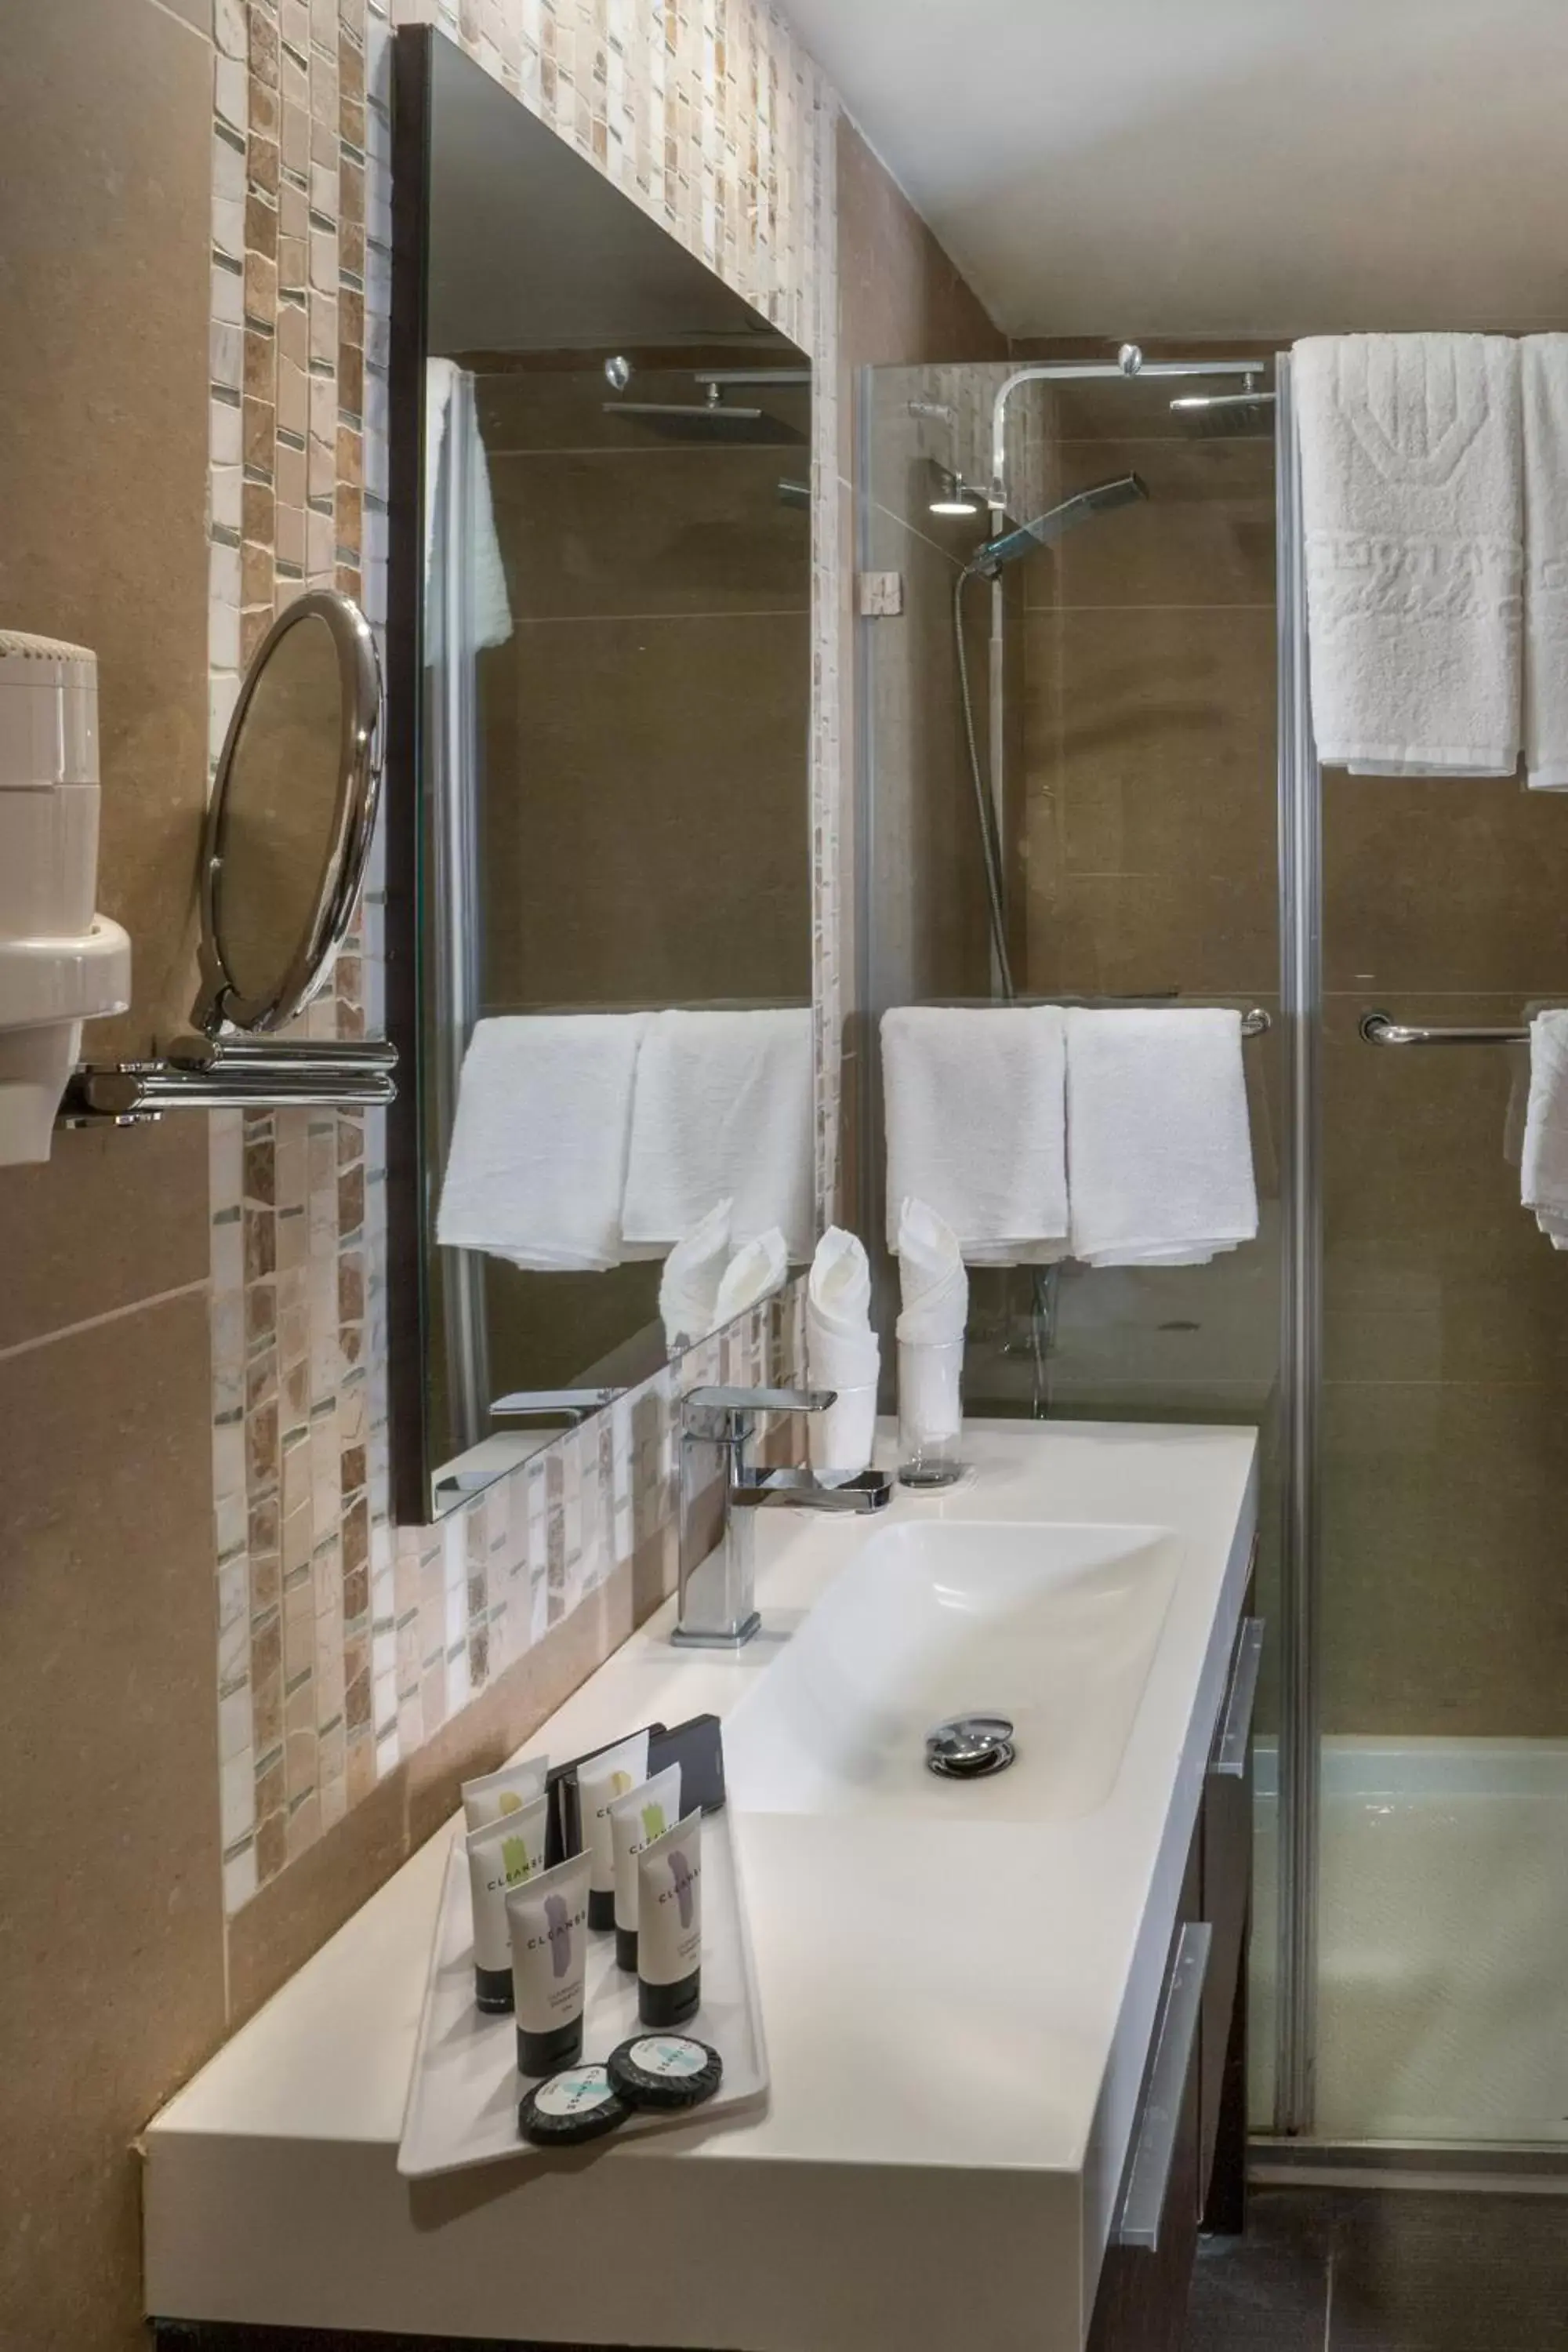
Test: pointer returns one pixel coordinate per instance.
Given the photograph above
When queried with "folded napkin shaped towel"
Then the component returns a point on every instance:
(693, 1272)
(756, 1271)
(842, 1352)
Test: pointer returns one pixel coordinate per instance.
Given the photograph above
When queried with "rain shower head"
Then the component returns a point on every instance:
(1046, 529)
(1227, 414)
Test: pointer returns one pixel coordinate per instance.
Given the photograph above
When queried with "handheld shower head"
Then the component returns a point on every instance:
(1046, 529)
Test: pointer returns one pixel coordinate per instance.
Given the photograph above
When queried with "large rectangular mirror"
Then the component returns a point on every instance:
(599, 892)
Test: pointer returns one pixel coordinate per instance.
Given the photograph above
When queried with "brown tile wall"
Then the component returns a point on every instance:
(1146, 847)
(901, 302)
(111, 1936)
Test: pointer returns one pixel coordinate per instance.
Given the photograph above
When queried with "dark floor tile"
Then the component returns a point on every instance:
(196, 2335)
(1266, 2291)
(1449, 2273)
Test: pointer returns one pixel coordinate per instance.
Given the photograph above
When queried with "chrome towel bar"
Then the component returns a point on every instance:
(1253, 1023)
(1379, 1030)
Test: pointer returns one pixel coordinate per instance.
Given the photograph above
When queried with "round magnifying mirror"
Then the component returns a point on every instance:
(292, 811)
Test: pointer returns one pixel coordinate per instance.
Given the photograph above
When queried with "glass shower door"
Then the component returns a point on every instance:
(1442, 1602)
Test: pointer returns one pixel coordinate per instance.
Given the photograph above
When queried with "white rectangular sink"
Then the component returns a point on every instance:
(1054, 1627)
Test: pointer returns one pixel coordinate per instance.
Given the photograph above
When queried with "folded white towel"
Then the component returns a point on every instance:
(693, 1272)
(1543, 365)
(976, 1124)
(758, 1269)
(1412, 491)
(841, 1353)
(538, 1163)
(1160, 1146)
(724, 1105)
(489, 611)
(1543, 1170)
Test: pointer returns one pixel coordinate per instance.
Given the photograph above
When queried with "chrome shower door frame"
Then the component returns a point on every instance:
(1300, 828)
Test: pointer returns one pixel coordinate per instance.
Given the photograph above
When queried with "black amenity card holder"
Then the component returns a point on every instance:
(696, 1746)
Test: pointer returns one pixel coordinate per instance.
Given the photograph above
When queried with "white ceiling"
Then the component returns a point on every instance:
(1127, 167)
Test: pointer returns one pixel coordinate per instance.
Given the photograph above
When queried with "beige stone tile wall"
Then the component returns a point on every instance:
(341, 1646)
(112, 1945)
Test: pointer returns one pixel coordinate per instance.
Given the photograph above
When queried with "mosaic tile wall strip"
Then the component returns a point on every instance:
(341, 1645)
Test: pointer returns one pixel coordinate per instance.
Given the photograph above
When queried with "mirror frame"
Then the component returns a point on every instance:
(219, 1000)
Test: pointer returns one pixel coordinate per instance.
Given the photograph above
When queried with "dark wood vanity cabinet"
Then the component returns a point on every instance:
(1190, 2140)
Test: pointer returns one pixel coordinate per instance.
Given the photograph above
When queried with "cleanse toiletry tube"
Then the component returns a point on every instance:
(548, 1919)
(506, 1792)
(635, 1820)
(502, 1855)
(599, 1781)
(670, 1924)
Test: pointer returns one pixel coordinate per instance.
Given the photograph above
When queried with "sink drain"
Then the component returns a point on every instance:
(970, 1746)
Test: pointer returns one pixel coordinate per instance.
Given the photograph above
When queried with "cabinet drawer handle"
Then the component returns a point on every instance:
(1236, 1724)
(1148, 2179)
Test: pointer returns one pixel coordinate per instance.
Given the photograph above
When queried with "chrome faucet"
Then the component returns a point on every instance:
(721, 1488)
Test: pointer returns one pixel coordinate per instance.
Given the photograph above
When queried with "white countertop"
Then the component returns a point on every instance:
(952, 2093)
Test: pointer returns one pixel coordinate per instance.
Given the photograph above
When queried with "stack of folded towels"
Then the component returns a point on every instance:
(1117, 1137)
(583, 1140)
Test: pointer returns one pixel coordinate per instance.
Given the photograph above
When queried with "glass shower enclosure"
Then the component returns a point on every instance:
(1142, 738)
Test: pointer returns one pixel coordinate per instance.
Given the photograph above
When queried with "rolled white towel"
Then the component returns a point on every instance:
(842, 1353)
(1543, 1173)
(693, 1272)
(931, 1327)
(757, 1270)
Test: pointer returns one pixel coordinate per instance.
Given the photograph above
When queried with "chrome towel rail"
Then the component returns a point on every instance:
(1378, 1029)
(1253, 1023)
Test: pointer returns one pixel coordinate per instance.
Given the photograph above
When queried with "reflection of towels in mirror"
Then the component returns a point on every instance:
(451, 429)
(537, 1167)
(688, 1288)
(724, 1105)
(757, 1270)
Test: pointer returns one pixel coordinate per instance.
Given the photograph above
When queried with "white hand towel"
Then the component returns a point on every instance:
(1412, 484)
(1543, 365)
(1160, 1146)
(976, 1124)
(1543, 1173)
(688, 1287)
(757, 1270)
(538, 1163)
(841, 1353)
(489, 613)
(724, 1105)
